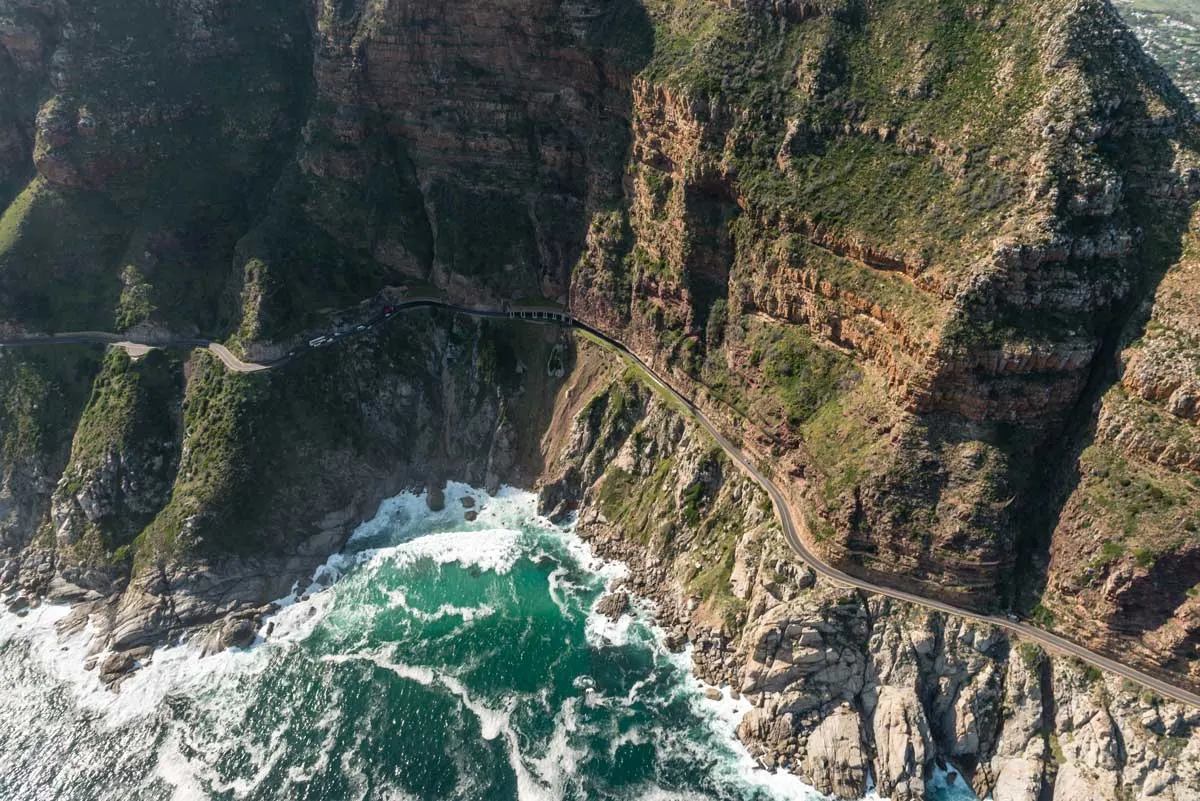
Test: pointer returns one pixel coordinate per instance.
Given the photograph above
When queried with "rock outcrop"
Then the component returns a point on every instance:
(168, 519)
(847, 688)
(904, 251)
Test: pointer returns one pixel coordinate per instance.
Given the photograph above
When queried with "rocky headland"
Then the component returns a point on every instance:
(932, 262)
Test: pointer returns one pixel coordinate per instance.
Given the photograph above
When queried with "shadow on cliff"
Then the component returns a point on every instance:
(1162, 221)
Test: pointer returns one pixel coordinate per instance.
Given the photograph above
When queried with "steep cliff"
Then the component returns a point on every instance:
(897, 246)
(900, 248)
(191, 494)
(846, 688)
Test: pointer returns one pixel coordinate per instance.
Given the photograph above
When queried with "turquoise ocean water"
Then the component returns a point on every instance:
(445, 660)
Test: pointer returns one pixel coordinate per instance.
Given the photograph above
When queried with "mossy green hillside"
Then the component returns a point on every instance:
(673, 502)
(156, 147)
(950, 72)
(130, 426)
(130, 401)
(56, 250)
(1133, 509)
(263, 452)
(776, 373)
(42, 395)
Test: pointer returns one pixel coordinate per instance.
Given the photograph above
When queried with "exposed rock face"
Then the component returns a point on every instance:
(843, 684)
(899, 249)
(238, 526)
(1125, 556)
(614, 604)
(797, 258)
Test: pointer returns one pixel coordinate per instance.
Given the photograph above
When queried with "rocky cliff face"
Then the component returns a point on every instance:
(847, 689)
(192, 494)
(898, 248)
(901, 249)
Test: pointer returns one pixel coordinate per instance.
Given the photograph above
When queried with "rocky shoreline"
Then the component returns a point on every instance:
(849, 690)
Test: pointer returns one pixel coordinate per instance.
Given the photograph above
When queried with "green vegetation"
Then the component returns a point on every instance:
(1091, 673)
(1056, 748)
(841, 440)
(645, 508)
(137, 299)
(42, 394)
(294, 269)
(890, 290)
(639, 262)
(803, 375)
(1042, 616)
(1031, 655)
(223, 413)
(692, 497)
(1172, 747)
(1111, 551)
(178, 145)
(131, 404)
(640, 505)
(1140, 509)
(946, 71)
(55, 251)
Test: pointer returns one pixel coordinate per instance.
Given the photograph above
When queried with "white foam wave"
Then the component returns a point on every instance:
(398, 599)
(724, 715)
(403, 532)
(178, 772)
(420, 674)
(601, 630)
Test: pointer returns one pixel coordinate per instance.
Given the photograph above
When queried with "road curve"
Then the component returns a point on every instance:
(137, 349)
(796, 542)
(787, 515)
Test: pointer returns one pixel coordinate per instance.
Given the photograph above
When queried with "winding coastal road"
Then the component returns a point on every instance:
(788, 517)
(232, 362)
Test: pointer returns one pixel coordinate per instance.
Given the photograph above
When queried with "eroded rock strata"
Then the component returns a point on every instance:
(847, 688)
(932, 262)
(191, 495)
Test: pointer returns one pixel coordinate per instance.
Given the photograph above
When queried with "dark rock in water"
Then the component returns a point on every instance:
(471, 515)
(675, 641)
(467, 501)
(614, 604)
(19, 604)
(435, 496)
(951, 778)
(557, 500)
(120, 664)
(238, 633)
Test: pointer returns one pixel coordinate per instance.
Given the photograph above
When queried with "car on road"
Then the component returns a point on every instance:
(361, 328)
(317, 342)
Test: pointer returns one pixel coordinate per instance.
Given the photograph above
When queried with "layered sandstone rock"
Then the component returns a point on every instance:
(842, 685)
(894, 248)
